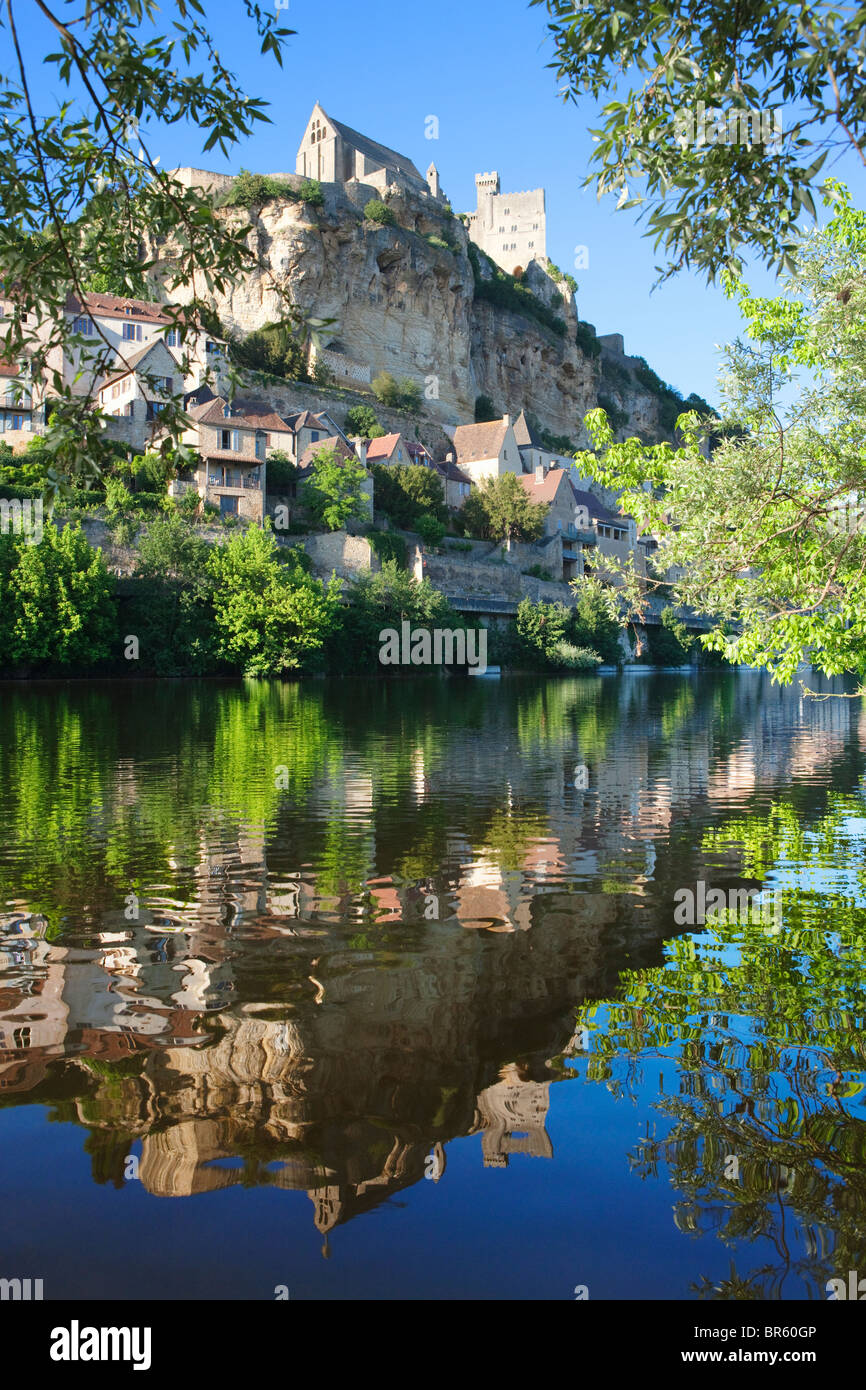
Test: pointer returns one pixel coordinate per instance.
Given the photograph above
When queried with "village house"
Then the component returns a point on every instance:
(308, 427)
(114, 328)
(418, 454)
(390, 448)
(233, 441)
(456, 483)
(16, 404)
(487, 450)
(134, 397)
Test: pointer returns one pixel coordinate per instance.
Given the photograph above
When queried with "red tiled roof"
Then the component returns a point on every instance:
(383, 447)
(547, 490)
(114, 306)
(305, 462)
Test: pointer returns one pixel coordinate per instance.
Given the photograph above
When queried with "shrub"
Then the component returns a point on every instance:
(485, 410)
(377, 211)
(404, 394)
(273, 348)
(250, 190)
(669, 644)
(587, 339)
(405, 492)
(538, 572)
(125, 530)
(322, 374)
(574, 658)
(281, 472)
(430, 529)
(592, 622)
(562, 277)
(361, 420)
(310, 191)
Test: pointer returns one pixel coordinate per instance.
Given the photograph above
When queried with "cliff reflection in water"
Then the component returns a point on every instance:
(305, 939)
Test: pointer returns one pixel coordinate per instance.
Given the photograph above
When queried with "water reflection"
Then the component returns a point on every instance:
(270, 937)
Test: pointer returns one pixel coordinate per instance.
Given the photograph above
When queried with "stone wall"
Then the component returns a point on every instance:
(338, 552)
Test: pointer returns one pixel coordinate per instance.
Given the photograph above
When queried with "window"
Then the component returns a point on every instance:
(83, 324)
(129, 409)
(230, 440)
(18, 422)
(115, 391)
(261, 444)
(132, 332)
(164, 383)
(315, 436)
(531, 244)
(172, 337)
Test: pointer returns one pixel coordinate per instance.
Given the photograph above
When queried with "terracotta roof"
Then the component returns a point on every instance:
(114, 306)
(383, 447)
(548, 489)
(475, 442)
(9, 369)
(384, 157)
(255, 415)
(305, 462)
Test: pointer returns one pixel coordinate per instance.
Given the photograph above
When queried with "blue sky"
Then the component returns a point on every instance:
(384, 66)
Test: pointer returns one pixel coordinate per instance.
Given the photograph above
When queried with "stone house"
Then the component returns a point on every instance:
(390, 448)
(456, 483)
(16, 405)
(309, 428)
(115, 328)
(487, 450)
(134, 396)
(567, 514)
(233, 441)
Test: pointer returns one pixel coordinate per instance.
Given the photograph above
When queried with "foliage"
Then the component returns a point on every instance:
(405, 492)
(170, 608)
(310, 191)
(377, 211)
(587, 339)
(252, 190)
(80, 186)
(322, 374)
(385, 599)
(769, 540)
(541, 629)
(281, 472)
(562, 277)
(404, 394)
(387, 546)
(275, 348)
(361, 421)
(430, 529)
(618, 418)
(669, 644)
(270, 616)
(709, 197)
(500, 509)
(485, 410)
(57, 600)
(506, 292)
(595, 619)
(333, 494)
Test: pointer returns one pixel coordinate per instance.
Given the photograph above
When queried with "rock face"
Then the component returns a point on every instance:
(404, 302)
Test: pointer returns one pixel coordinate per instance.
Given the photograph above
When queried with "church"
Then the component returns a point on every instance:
(334, 153)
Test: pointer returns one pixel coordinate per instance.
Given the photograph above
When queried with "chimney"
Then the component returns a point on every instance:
(361, 449)
(506, 419)
(539, 472)
(449, 458)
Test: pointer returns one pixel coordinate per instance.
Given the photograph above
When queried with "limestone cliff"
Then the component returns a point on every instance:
(404, 299)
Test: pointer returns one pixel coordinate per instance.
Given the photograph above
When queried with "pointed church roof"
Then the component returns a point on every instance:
(384, 157)
(525, 434)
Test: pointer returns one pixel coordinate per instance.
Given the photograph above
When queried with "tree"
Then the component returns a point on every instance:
(58, 601)
(334, 493)
(430, 530)
(770, 541)
(271, 616)
(361, 421)
(595, 620)
(273, 348)
(708, 197)
(404, 394)
(405, 492)
(171, 608)
(281, 471)
(485, 410)
(500, 510)
(81, 183)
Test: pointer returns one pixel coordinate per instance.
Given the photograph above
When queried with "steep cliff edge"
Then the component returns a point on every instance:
(414, 299)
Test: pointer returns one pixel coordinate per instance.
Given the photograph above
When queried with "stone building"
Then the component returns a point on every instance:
(487, 450)
(233, 441)
(335, 153)
(510, 227)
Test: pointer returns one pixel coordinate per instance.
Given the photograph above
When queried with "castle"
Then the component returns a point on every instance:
(510, 227)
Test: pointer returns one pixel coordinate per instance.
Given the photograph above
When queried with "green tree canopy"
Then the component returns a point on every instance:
(500, 509)
(334, 492)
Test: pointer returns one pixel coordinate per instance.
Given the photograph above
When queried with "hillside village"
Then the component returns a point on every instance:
(256, 438)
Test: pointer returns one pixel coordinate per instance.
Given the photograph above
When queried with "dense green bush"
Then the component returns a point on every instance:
(273, 348)
(384, 600)
(310, 191)
(405, 492)
(251, 190)
(58, 602)
(430, 529)
(670, 643)
(485, 410)
(402, 394)
(592, 622)
(377, 211)
(362, 420)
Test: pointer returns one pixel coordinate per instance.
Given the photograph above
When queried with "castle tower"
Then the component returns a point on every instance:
(510, 227)
(433, 181)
